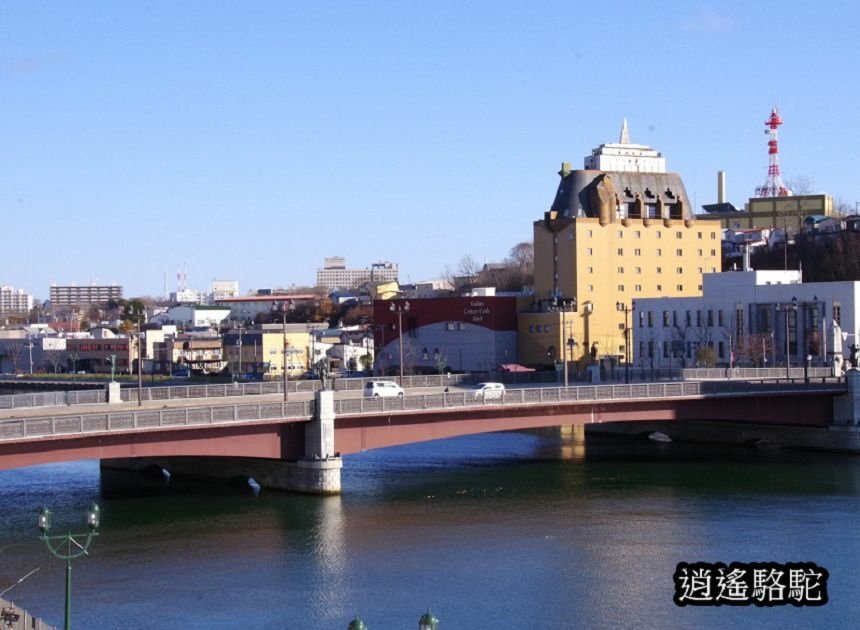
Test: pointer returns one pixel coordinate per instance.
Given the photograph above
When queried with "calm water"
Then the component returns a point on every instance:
(497, 531)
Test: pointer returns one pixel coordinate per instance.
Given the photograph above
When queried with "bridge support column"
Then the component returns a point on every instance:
(846, 408)
(317, 472)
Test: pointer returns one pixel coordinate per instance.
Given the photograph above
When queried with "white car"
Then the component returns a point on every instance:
(382, 389)
(489, 391)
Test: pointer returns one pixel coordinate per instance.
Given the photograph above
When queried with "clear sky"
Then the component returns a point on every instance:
(248, 140)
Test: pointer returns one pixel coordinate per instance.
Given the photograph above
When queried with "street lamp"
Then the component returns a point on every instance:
(790, 307)
(66, 547)
(284, 351)
(74, 357)
(428, 621)
(570, 345)
(399, 310)
(565, 304)
(112, 360)
(623, 308)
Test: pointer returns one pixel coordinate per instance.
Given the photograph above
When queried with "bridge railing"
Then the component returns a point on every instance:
(121, 421)
(130, 420)
(49, 399)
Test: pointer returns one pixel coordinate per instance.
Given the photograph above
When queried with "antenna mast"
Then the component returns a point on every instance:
(773, 186)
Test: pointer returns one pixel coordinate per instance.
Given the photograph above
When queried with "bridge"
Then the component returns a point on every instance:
(297, 444)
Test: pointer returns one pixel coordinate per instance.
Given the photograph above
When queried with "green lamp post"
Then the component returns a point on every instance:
(428, 621)
(67, 547)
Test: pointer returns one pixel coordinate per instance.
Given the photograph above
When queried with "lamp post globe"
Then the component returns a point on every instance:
(428, 621)
(356, 624)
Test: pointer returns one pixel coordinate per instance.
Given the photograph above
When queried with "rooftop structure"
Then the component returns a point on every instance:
(624, 156)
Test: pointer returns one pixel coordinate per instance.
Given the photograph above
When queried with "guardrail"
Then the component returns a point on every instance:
(238, 389)
(132, 420)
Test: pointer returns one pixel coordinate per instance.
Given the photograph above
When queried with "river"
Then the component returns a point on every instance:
(506, 530)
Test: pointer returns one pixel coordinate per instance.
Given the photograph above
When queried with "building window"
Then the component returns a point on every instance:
(531, 328)
(620, 234)
(713, 252)
(546, 328)
(679, 235)
(679, 270)
(589, 251)
(620, 251)
(665, 319)
(637, 270)
(621, 270)
(659, 269)
(837, 313)
(589, 233)
(713, 235)
(699, 235)
(650, 319)
(638, 288)
(699, 253)
(679, 252)
(641, 320)
(637, 234)
(659, 252)
(698, 319)
(710, 318)
(721, 321)
(659, 288)
(679, 288)
(659, 234)
(621, 288)
(591, 288)
(637, 252)
(721, 349)
(675, 318)
(589, 269)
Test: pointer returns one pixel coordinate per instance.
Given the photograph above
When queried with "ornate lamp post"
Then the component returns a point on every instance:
(112, 360)
(399, 310)
(790, 307)
(67, 547)
(623, 308)
(356, 624)
(428, 621)
(284, 350)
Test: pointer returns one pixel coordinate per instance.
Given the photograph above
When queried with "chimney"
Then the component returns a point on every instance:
(721, 186)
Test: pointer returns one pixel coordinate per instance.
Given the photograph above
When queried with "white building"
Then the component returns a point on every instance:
(335, 275)
(624, 156)
(222, 289)
(186, 296)
(14, 301)
(193, 316)
(748, 318)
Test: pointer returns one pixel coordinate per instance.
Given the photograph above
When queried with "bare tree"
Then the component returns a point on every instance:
(55, 358)
(522, 257)
(13, 351)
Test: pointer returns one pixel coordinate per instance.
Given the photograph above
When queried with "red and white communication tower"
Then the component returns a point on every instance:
(773, 186)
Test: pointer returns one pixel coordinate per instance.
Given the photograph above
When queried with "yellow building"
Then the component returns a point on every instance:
(609, 238)
(772, 212)
(260, 351)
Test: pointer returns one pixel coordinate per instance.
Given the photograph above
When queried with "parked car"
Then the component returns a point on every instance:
(489, 391)
(382, 389)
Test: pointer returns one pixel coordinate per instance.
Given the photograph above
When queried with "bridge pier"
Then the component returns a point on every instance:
(317, 472)
(846, 408)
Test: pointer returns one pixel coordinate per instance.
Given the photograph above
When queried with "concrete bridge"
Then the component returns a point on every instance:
(297, 445)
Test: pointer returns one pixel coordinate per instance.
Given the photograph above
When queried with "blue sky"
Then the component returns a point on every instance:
(248, 140)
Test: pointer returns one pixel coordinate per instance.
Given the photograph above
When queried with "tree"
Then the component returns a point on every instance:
(55, 358)
(522, 258)
(13, 351)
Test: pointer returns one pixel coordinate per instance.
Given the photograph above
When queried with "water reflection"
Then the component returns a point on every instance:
(564, 530)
